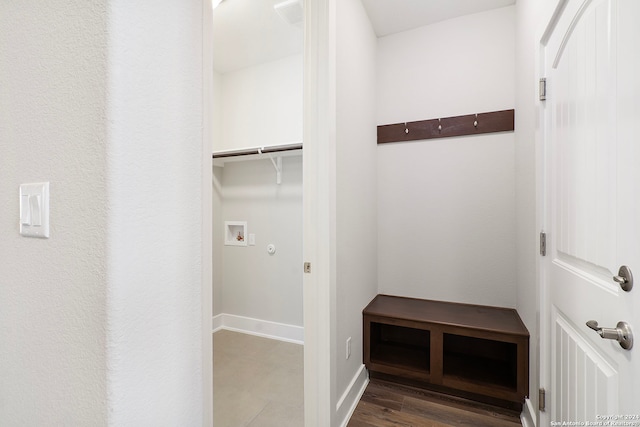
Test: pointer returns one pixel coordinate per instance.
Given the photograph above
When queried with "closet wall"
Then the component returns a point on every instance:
(256, 284)
(262, 105)
(216, 213)
(259, 106)
(446, 207)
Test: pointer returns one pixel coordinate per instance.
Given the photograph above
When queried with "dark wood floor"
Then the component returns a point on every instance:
(386, 404)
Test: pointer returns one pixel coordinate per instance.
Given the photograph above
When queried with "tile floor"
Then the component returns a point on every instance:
(256, 381)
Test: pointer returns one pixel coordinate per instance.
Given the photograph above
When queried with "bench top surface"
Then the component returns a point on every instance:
(494, 319)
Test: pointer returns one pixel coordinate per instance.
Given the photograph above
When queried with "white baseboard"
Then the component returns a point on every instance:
(528, 416)
(350, 398)
(261, 328)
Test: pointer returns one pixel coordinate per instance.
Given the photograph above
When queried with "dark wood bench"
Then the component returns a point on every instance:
(472, 351)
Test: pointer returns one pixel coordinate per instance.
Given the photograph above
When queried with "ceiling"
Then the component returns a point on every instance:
(394, 16)
(250, 32)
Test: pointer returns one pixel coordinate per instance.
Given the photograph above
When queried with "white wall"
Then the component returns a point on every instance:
(218, 237)
(355, 186)
(255, 284)
(217, 221)
(446, 207)
(155, 224)
(217, 107)
(262, 105)
(102, 322)
(53, 292)
(258, 106)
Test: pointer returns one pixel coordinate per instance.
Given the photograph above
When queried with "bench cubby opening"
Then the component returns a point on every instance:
(479, 360)
(408, 348)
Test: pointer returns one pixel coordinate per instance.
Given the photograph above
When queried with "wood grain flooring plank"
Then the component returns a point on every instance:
(382, 396)
(453, 401)
(451, 416)
(372, 415)
(385, 404)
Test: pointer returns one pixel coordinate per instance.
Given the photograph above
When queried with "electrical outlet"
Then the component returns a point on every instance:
(348, 347)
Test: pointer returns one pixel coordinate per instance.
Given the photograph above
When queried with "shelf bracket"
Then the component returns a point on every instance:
(277, 164)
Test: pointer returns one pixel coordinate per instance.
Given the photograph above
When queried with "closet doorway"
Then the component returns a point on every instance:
(257, 212)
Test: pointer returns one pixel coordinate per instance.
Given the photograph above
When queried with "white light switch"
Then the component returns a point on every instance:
(34, 210)
(35, 202)
(25, 210)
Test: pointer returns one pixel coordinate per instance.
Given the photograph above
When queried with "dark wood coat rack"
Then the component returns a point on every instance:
(471, 124)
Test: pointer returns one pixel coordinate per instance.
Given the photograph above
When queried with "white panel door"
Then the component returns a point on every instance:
(591, 123)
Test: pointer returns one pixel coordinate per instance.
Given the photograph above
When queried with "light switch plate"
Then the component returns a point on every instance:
(34, 210)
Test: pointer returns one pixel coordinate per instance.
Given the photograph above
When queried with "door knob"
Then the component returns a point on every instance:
(624, 278)
(622, 333)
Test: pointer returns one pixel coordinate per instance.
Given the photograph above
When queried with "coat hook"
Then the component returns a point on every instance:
(406, 130)
(475, 123)
(439, 126)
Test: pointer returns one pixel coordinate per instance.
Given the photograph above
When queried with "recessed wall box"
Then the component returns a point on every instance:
(235, 233)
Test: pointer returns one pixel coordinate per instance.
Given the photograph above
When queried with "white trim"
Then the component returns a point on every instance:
(528, 416)
(318, 165)
(216, 323)
(550, 13)
(349, 400)
(262, 328)
(206, 284)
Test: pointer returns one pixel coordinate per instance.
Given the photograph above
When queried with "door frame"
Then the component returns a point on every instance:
(318, 133)
(542, 188)
(318, 167)
(206, 198)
